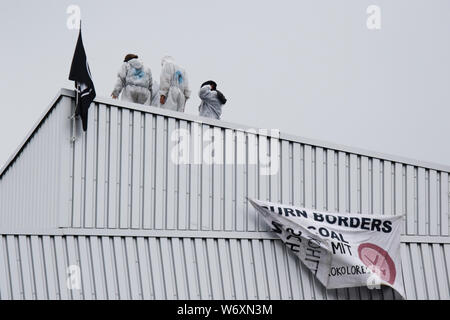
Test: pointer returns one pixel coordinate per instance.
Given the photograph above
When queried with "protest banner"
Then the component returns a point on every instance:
(341, 250)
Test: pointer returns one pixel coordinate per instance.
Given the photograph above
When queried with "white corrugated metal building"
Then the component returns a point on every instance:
(138, 226)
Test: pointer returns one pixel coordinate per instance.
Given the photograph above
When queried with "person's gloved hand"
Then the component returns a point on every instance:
(113, 96)
(162, 100)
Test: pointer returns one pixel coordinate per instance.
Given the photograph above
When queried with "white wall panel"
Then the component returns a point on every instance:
(188, 268)
(30, 186)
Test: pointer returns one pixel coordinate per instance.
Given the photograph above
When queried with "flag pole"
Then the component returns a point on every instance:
(84, 86)
(73, 117)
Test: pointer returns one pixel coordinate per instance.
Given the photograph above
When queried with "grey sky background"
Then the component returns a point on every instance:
(308, 68)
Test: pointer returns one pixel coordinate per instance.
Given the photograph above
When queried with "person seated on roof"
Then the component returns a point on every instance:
(212, 100)
(134, 81)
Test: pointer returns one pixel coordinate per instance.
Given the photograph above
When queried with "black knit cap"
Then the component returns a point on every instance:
(209, 83)
(129, 57)
(220, 95)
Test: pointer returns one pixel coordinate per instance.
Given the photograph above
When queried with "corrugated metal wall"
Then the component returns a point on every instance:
(29, 188)
(124, 178)
(119, 178)
(36, 267)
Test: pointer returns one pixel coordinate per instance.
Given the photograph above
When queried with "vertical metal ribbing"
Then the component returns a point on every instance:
(240, 183)
(159, 174)
(182, 207)
(149, 173)
(229, 212)
(101, 164)
(125, 165)
(88, 217)
(445, 203)
(433, 204)
(410, 208)
(114, 163)
(203, 274)
(442, 268)
(171, 185)
(136, 173)
(195, 177)
(421, 202)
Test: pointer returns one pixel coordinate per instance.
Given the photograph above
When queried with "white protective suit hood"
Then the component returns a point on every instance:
(136, 63)
(134, 81)
(166, 59)
(137, 75)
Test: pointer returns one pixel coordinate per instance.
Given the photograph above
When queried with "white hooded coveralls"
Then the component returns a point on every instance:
(211, 107)
(174, 85)
(135, 82)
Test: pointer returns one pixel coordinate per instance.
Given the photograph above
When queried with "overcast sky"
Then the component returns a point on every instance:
(308, 68)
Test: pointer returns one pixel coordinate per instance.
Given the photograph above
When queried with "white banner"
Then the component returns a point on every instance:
(341, 250)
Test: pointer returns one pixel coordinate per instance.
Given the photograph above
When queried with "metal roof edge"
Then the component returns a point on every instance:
(222, 124)
(62, 92)
(168, 113)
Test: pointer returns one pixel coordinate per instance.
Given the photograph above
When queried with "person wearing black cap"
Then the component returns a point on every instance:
(134, 81)
(212, 100)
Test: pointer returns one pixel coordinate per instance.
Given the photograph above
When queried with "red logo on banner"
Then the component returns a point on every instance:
(377, 260)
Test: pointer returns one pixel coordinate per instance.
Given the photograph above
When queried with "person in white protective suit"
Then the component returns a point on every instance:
(174, 86)
(155, 94)
(212, 100)
(134, 81)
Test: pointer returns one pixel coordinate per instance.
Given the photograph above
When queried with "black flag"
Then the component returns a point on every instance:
(80, 73)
